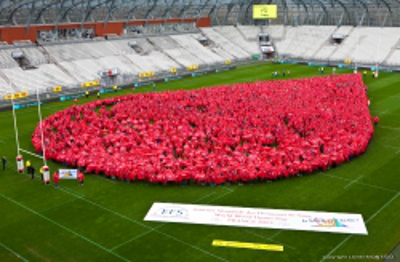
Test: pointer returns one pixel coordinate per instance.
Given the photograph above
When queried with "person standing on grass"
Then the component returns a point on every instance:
(28, 166)
(41, 173)
(56, 178)
(81, 177)
(32, 172)
(4, 162)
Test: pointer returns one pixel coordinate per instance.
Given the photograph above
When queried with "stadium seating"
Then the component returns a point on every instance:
(6, 88)
(225, 44)
(237, 38)
(6, 61)
(304, 41)
(276, 32)
(176, 52)
(83, 70)
(71, 62)
(249, 32)
(327, 48)
(46, 76)
(190, 43)
(155, 60)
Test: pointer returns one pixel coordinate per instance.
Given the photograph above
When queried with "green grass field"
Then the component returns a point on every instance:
(103, 220)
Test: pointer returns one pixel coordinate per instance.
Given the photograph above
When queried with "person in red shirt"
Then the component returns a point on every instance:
(56, 178)
(81, 177)
(376, 120)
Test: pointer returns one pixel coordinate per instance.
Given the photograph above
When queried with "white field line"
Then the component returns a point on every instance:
(221, 196)
(63, 227)
(385, 205)
(58, 205)
(148, 227)
(369, 219)
(137, 237)
(389, 127)
(15, 253)
(383, 112)
(161, 225)
(276, 234)
(203, 197)
(361, 183)
(393, 147)
(270, 239)
(352, 182)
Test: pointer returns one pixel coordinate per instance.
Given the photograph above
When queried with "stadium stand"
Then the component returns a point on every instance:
(328, 48)
(177, 53)
(43, 77)
(394, 55)
(236, 37)
(237, 52)
(6, 61)
(302, 31)
(5, 87)
(190, 42)
(367, 45)
(304, 41)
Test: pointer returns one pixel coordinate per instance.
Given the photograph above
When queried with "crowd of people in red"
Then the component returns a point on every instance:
(238, 133)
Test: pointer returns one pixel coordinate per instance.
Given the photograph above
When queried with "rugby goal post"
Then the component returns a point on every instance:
(21, 150)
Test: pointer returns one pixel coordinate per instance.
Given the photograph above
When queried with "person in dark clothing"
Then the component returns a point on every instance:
(4, 161)
(33, 172)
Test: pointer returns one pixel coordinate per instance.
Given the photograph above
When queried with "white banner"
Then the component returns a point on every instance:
(68, 173)
(257, 217)
(267, 49)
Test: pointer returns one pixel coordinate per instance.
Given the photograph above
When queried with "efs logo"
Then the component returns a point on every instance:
(173, 212)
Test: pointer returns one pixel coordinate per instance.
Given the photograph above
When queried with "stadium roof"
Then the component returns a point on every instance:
(290, 12)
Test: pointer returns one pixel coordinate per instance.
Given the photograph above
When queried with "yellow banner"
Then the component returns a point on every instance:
(9, 97)
(91, 83)
(265, 11)
(192, 67)
(15, 96)
(235, 244)
(147, 74)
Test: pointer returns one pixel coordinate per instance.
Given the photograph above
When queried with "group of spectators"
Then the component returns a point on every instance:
(238, 133)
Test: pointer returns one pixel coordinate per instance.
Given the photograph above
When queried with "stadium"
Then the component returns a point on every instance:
(199, 130)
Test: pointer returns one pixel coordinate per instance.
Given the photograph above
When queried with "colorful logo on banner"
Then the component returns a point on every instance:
(68, 173)
(323, 222)
(172, 212)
